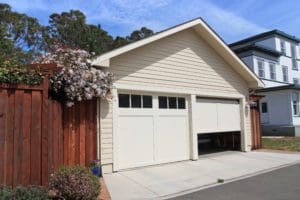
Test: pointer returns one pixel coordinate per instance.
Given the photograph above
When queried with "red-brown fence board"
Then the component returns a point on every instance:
(255, 122)
(38, 135)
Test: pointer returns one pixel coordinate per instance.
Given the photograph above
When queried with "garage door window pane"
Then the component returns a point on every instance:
(163, 102)
(124, 100)
(136, 101)
(147, 101)
(181, 103)
(172, 103)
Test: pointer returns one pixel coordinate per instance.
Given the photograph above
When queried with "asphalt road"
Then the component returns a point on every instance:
(282, 184)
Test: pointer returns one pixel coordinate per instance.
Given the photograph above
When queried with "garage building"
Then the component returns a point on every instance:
(175, 93)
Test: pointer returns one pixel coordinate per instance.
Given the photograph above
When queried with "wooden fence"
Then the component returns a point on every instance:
(37, 134)
(255, 122)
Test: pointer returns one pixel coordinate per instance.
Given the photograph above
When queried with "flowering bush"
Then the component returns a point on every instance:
(77, 80)
(75, 182)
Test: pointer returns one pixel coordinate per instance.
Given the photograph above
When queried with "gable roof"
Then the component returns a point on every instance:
(264, 35)
(206, 32)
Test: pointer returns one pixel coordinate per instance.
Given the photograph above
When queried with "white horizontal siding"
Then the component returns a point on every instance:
(106, 143)
(182, 60)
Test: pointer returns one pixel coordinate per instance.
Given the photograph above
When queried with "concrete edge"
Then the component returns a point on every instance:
(177, 194)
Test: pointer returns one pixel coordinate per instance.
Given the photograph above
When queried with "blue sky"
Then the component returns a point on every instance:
(231, 19)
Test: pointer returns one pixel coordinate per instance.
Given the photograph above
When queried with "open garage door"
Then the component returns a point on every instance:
(217, 115)
(151, 129)
(218, 125)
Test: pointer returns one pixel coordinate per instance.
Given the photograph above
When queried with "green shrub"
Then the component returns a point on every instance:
(30, 192)
(17, 75)
(74, 183)
(24, 193)
(5, 193)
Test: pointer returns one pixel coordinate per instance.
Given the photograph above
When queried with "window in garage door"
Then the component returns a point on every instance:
(171, 102)
(135, 101)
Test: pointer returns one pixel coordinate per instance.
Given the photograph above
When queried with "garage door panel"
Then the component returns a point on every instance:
(217, 115)
(229, 116)
(207, 117)
(136, 136)
(171, 139)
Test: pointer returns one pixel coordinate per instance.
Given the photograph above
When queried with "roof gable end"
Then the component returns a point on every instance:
(206, 33)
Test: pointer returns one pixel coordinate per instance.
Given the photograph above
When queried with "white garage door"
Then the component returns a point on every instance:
(151, 129)
(217, 115)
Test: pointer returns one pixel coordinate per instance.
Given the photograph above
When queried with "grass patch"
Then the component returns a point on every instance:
(287, 143)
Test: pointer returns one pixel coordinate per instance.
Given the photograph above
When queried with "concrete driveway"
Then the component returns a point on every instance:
(170, 180)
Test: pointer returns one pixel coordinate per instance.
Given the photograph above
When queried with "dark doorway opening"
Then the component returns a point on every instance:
(217, 142)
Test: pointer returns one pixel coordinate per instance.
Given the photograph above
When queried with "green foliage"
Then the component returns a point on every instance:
(17, 75)
(5, 193)
(75, 182)
(24, 193)
(139, 34)
(23, 38)
(71, 29)
(17, 33)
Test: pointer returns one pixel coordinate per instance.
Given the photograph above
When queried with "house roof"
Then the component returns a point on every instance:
(266, 34)
(206, 32)
(259, 48)
(278, 88)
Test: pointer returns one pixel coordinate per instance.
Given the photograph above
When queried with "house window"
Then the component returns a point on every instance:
(296, 81)
(295, 64)
(261, 68)
(135, 101)
(295, 103)
(264, 107)
(124, 100)
(285, 76)
(272, 71)
(293, 51)
(282, 47)
(171, 102)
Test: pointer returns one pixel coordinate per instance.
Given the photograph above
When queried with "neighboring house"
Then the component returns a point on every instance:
(169, 89)
(275, 57)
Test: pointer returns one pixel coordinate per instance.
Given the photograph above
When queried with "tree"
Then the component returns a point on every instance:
(118, 42)
(139, 34)
(21, 37)
(71, 29)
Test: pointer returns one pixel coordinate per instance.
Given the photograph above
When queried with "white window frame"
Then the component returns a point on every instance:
(142, 101)
(295, 103)
(262, 70)
(285, 77)
(272, 68)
